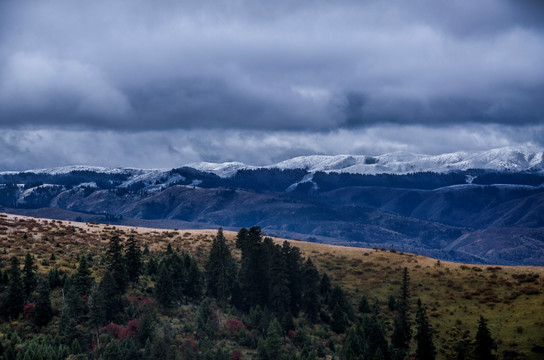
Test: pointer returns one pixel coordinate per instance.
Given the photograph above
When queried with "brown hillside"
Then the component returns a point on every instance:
(456, 294)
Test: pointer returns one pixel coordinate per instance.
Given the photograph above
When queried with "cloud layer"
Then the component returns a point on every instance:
(303, 70)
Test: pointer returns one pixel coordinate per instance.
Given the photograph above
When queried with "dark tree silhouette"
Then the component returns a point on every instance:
(484, 344)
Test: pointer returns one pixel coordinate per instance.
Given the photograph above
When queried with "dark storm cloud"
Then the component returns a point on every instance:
(258, 65)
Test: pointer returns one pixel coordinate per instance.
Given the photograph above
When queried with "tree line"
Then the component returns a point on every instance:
(271, 303)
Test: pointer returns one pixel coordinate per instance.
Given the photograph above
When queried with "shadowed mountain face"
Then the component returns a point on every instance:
(472, 215)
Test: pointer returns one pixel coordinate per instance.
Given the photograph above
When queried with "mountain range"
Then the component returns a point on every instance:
(485, 207)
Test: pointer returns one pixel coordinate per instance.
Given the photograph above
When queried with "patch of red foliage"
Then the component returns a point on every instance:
(236, 355)
(234, 326)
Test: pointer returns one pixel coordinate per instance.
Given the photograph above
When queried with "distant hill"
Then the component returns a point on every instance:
(445, 208)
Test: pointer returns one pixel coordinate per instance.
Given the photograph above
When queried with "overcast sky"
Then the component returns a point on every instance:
(164, 83)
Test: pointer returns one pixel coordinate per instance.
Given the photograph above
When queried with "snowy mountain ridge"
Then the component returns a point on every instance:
(501, 159)
(522, 158)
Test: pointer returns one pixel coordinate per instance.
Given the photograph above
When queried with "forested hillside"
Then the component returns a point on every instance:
(84, 290)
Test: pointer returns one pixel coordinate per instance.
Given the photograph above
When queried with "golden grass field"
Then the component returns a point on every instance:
(510, 297)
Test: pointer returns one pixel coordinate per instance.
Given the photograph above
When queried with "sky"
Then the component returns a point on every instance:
(163, 83)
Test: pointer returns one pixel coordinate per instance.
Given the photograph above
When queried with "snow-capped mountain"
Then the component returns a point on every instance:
(501, 159)
(421, 203)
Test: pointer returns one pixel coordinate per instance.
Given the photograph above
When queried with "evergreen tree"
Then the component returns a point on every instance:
(163, 287)
(175, 265)
(133, 259)
(75, 307)
(97, 313)
(254, 274)
(293, 260)
(274, 340)
(339, 321)
(129, 350)
(116, 264)
(54, 278)
(206, 322)
(310, 290)
(13, 304)
(484, 344)
(43, 312)
(353, 345)
(82, 279)
(424, 337)
(111, 300)
(220, 269)
(112, 351)
(364, 307)
(194, 283)
(325, 285)
(375, 343)
(279, 293)
(402, 332)
(338, 297)
(152, 267)
(29, 276)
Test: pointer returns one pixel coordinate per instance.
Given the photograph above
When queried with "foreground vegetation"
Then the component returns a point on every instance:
(117, 292)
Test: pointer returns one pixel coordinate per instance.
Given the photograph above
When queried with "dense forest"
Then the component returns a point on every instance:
(269, 302)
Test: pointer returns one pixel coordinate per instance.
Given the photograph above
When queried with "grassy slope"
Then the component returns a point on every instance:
(455, 294)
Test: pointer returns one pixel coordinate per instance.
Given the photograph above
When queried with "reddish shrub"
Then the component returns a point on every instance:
(139, 301)
(112, 329)
(530, 290)
(29, 310)
(234, 326)
(236, 355)
(291, 333)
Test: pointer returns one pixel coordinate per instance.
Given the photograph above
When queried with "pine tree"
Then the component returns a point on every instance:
(220, 269)
(111, 299)
(14, 301)
(484, 344)
(163, 288)
(325, 285)
(179, 274)
(194, 283)
(116, 264)
(133, 259)
(112, 351)
(353, 345)
(82, 279)
(43, 312)
(376, 346)
(205, 320)
(279, 293)
(152, 267)
(339, 321)
(29, 276)
(402, 332)
(75, 308)
(97, 313)
(424, 337)
(364, 307)
(310, 290)
(254, 275)
(293, 260)
(274, 340)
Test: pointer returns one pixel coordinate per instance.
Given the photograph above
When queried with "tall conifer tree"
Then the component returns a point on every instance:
(133, 258)
(220, 269)
(14, 301)
(484, 344)
(29, 276)
(424, 337)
